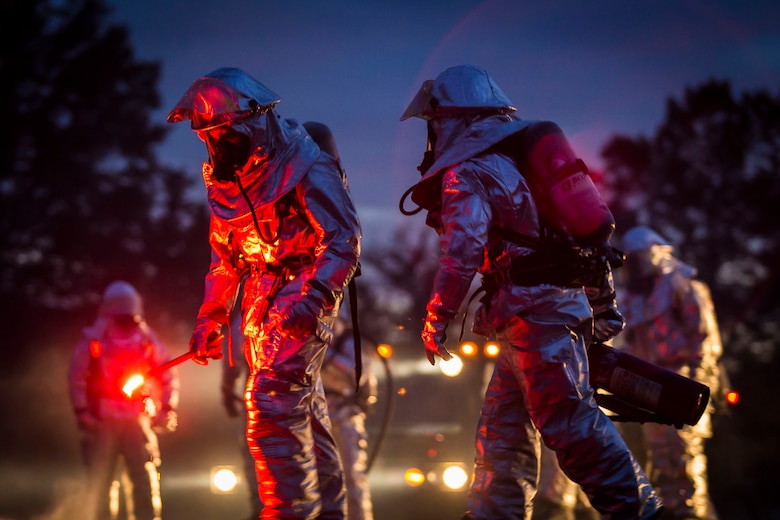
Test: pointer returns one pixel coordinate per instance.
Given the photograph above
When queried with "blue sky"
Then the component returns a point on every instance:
(597, 68)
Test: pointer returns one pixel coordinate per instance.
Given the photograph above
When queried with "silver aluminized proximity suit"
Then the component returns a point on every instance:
(114, 426)
(348, 408)
(539, 386)
(281, 213)
(671, 322)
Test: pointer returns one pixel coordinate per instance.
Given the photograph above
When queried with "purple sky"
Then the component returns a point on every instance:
(596, 68)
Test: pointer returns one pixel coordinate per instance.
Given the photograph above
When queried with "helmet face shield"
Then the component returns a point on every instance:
(421, 104)
(223, 96)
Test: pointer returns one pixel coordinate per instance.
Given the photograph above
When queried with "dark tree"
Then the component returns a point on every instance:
(396, 285)
(709, 181)
(83, 199)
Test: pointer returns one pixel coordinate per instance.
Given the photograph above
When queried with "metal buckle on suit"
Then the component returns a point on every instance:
(290, 265)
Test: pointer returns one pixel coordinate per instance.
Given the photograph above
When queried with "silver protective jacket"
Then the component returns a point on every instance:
(102, 363)
(540, 381)
(305, 215)
(673, 324)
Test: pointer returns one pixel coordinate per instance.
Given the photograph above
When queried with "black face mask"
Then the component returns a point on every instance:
(428, 156)
(228, 152)
(126, 322)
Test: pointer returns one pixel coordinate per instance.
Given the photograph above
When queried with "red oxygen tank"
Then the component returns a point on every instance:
(566, 194)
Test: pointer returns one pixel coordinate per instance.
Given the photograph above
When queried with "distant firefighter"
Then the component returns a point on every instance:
(671, 322)
(114, 426)
(348, 408)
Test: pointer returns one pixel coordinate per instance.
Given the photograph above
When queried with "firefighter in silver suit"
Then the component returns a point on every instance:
(539, 389)
(281, 214)
(349, 406)
(671, 322)
(118, 428)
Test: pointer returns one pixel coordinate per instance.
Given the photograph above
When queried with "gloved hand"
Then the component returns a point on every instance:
(230, 401)
(86, 421)
(206, 341)
(165, 422)
(607, 324)
(434, 336)
(301, 320)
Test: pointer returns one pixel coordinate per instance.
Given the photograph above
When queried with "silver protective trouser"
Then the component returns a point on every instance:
(677, 466)
(673, 324)
(298, 468)
(539, 386)
(557, 492)
(135, 443)
(349, 430)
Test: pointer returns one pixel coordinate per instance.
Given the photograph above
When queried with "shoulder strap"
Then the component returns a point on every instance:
(513, 236)
(353, 308)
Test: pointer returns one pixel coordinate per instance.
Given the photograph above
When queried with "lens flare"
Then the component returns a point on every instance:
(223, 479)
(455, 477)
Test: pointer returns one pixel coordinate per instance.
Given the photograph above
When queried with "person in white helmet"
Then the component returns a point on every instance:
(671, 322)
(120, 429)
(349, 405)
(282, 220)
(541, 300)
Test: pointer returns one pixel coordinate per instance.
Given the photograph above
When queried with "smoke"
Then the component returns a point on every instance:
(71, 497)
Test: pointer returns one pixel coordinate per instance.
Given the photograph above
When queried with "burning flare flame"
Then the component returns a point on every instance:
(133, 384)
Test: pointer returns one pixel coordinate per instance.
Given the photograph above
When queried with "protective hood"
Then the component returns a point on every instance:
(468, 113)
(461, 138)
(281, 161)
(458, 90)
(222, 96)
(121, 298)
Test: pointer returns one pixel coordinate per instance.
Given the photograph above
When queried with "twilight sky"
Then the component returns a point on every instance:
(597, 68)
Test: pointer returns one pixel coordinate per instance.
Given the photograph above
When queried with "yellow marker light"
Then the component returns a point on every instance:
(384, 350)
(491, 349)
(468, 348)
(414, 477)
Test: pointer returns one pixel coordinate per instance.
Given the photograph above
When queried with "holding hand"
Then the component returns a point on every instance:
(434, 336)
(206, 342)
(607, 324)
(301, 320)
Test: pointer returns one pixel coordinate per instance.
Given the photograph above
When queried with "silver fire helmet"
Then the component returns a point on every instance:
(119, 299)
(641, 238)
(224, 95)
(457, 90)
